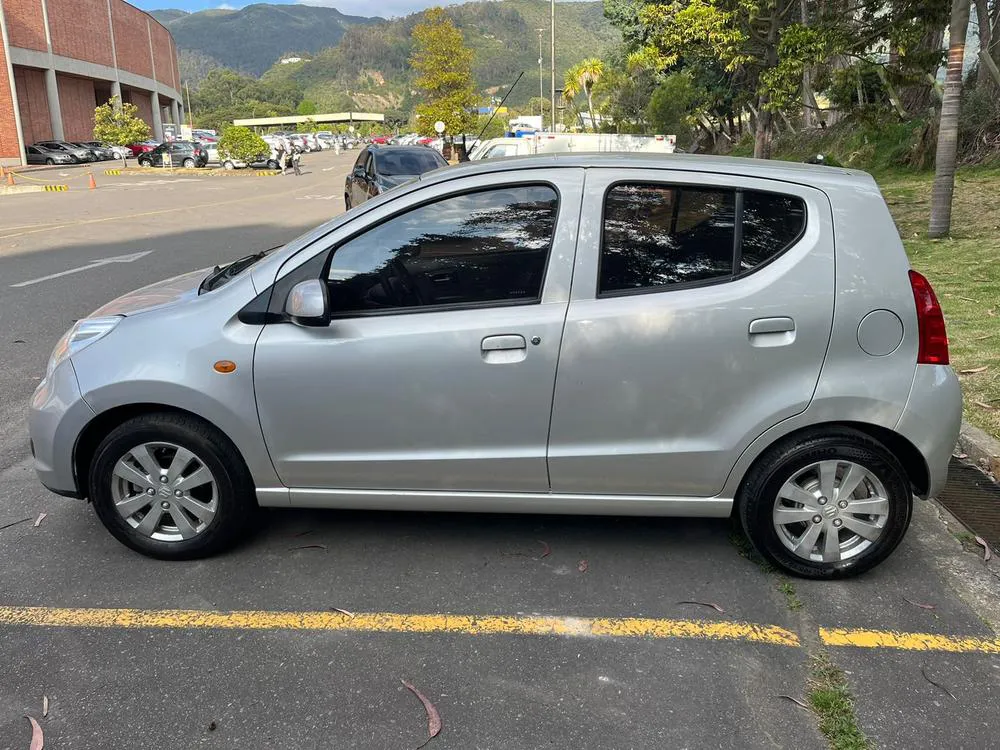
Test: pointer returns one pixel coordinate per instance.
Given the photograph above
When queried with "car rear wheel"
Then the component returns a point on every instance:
(171, 487)
(830, 505)
(188, 163)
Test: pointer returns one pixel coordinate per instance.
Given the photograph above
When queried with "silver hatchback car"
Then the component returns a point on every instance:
(597, 334)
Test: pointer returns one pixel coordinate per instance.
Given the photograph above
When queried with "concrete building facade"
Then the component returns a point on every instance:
(61, 58)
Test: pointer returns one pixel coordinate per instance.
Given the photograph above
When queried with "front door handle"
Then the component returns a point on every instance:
(771, 325)
(503, 343)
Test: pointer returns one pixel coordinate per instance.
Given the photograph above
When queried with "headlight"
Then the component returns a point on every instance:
(84, 333)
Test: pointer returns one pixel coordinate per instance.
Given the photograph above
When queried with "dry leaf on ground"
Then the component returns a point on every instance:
(987, 553)
(546, 549)
(41, 517)
(45, 706)
(433, 717)
(582, 566)
(37, 738)
(974, 370)
(344, 612)
(716, 607)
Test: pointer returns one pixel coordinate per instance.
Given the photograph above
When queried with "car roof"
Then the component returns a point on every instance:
(764, 168)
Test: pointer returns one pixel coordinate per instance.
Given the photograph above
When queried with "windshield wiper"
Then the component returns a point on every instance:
(222, 274)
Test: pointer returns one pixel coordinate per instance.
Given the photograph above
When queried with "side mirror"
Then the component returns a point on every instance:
(308, 303)
(359, 172)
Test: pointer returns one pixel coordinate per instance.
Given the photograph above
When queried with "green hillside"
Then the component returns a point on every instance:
(368, 69)
(253, 38)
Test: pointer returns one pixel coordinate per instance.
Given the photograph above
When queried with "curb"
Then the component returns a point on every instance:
(112, 172)
(19, 189)
(980, 448)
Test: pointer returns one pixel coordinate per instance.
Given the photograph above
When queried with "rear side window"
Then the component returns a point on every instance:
(657, 235)
(489, 246)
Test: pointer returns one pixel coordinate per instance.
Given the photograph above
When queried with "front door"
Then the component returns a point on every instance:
(438, 368)
(700, 316)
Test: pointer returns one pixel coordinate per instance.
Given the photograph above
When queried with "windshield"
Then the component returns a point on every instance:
(407, 162)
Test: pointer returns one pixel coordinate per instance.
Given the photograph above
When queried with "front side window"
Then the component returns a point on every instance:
(482, 247)
(659, 235)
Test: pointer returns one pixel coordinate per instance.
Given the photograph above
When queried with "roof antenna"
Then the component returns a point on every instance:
(499, 106)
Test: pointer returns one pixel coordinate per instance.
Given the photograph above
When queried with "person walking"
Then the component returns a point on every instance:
(296, 156)
(279, 154)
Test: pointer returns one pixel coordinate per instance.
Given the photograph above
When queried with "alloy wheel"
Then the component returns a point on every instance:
(164, 491)
(830, 511)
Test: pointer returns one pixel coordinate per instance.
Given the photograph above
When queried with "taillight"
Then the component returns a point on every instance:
(933, 348)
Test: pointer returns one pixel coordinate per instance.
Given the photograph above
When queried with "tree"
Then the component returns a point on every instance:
(947, 145)
(118, 124)
(241, 144)
(306, 107)
(443, 67)
(670, 105)
(581, 78)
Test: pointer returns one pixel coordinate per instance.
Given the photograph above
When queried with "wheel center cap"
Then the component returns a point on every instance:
(829, 510)
(164, 492)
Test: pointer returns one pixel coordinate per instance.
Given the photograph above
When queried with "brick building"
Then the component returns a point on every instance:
(61, 58)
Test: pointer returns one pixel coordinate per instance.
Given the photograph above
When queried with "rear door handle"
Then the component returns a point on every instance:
(771, 325)
(501, 343)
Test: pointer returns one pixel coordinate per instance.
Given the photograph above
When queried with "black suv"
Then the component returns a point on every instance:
(380, 168)
(182, 154)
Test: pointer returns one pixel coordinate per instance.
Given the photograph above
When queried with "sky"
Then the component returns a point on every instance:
(384, 8)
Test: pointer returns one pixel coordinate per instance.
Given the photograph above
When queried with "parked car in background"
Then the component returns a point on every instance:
(380, 168)
(101, 153)
(187, 154)
(599, 333)
(121, 152)
(143, 148)
(40, 155)
(264, 161)
(77, 153)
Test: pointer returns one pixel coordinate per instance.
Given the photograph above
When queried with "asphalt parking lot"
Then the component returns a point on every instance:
(522, 632)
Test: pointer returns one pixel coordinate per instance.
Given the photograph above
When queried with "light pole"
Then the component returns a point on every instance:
(541, 96)
(552, 23)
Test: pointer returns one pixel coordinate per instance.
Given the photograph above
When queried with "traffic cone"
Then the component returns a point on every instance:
(93, 185)
(10, 178)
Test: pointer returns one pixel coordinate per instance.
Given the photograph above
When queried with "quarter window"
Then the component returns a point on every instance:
(771, 222)
(657, 236)
(483, 247)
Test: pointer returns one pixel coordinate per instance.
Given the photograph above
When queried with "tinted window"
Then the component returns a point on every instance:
(407, 162)
(657, 235)
(361, 159)
(771, 222)
(488, 246)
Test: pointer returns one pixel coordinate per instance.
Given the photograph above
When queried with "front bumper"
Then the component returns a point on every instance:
(932, 418)
(56, 418)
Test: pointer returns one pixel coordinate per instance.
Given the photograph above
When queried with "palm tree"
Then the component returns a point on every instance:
(947, 145)
(582, 77)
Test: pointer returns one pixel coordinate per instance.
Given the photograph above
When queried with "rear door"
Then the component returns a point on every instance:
(699, 317)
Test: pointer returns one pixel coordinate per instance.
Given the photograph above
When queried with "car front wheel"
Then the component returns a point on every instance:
(228, 165)
(171, 487)
(829, 505)
(188, 163)
(50, 162)
(145, 163)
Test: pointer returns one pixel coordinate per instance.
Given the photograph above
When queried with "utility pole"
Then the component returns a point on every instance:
(541, 96)
(552, 22)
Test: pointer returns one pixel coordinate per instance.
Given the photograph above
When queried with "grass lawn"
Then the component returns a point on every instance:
(965, 272)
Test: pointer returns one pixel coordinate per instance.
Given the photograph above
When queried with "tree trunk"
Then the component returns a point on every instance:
(947, 145)
(764, 135)
(983, 78)
(916, 98)
(809, 113)
(590, 108)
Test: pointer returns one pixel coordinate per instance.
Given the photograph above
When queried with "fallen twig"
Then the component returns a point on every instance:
(937, 684)
(344, 612)
(918, 604)
(45, 706)
(796, 701)
(546, 549)
(15, 523)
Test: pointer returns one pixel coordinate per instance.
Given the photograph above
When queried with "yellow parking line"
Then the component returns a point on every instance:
(386, 622)
(907, 641)
(390, 622)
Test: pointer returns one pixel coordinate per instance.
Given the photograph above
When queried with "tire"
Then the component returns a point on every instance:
(49, 162)
(223, 506)
(228, 165)
(801, 462)
(272, 164)
(145, 163)
(188, 163)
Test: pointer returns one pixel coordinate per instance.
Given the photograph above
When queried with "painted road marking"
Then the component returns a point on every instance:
(93, 264)
(907, 641)
(578, 627)
(386, 622)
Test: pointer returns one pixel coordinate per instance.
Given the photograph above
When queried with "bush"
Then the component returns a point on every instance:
(241, 144)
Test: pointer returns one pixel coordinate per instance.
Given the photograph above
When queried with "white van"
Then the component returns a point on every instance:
(550, 143)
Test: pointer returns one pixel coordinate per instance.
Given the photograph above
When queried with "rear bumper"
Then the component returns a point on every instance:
(57, 416)
(932, 418)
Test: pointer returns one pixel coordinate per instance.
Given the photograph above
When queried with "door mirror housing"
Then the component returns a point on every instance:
(308, 303)
(359, 172)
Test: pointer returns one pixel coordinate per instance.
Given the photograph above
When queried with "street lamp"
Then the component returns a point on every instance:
(552, 23)
(541, 95)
